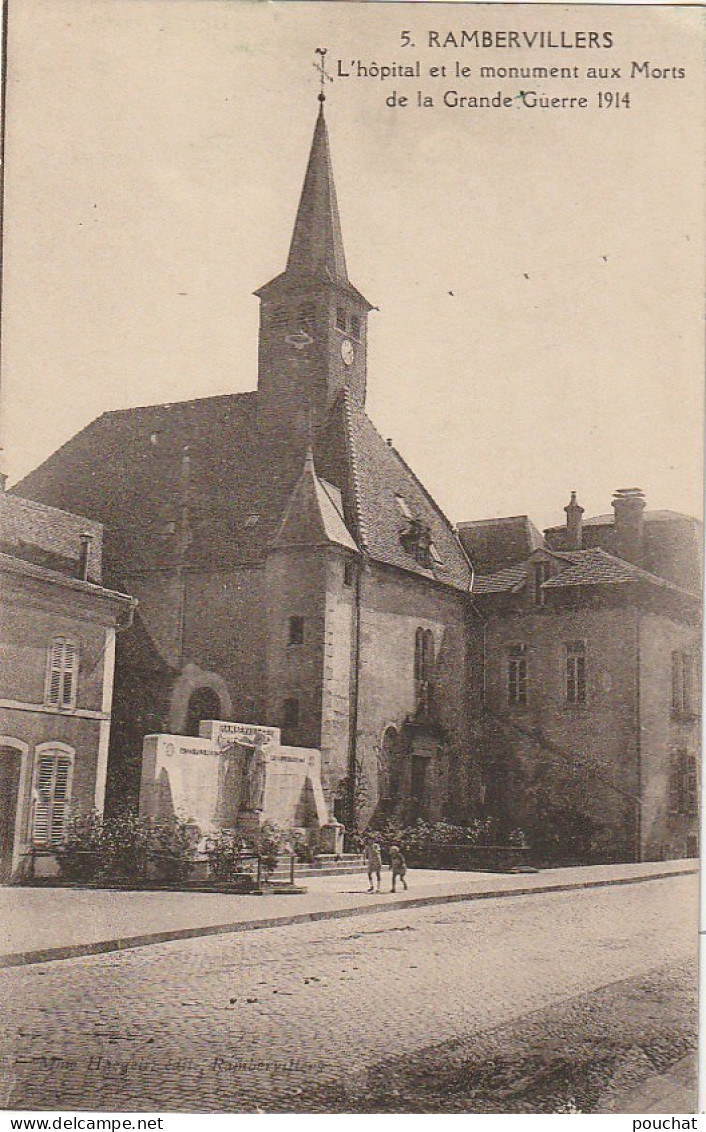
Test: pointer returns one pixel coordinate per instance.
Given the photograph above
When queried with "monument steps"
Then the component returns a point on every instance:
(323, 866)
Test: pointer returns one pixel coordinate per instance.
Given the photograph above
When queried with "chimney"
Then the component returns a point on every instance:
(86, 540)
(574, 525)
(628, 505)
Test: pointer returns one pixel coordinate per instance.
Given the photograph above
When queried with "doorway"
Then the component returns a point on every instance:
(10, 764)
(204, 703)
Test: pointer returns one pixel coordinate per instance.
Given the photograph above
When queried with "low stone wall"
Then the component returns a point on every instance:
(475, 858)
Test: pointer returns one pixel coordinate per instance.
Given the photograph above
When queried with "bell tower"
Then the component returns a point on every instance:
(313, 321)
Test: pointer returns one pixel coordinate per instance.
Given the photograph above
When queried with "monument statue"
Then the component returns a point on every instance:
(257, 774)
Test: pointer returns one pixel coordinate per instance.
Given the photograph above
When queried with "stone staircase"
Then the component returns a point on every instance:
(325, 866)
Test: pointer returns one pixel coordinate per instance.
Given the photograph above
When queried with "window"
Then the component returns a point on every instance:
(517, 674)
(403, 506)
(280, 317)
(296, 631)
(682, 683)
(62, 674)
(683, 786)
(576, 672)
(541, 573)
(416, 540)
(435, 556)
(290, 713)
(52, 794)
(355, 325)
(423, 656)
(340, 318)
(348, 573)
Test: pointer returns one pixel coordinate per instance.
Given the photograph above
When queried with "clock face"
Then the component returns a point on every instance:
(347, 352)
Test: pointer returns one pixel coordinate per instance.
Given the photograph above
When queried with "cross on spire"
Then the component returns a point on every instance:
(324, 76)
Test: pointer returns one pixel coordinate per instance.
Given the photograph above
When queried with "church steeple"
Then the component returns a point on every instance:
(313, 321)
(317, 244)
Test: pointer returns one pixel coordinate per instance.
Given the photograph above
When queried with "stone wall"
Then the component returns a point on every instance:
(664, 732)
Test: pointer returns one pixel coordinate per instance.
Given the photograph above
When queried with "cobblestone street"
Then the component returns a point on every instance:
(237, 1022)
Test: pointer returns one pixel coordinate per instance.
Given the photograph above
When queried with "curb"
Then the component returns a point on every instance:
(101, 947)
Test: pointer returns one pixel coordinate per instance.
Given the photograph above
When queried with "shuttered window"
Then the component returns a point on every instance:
(52, 795)
(62, 673)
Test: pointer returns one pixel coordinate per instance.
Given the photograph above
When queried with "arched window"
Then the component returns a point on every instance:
(51, 793)
(418, 655)
(62, 674)
(428, 656)
(389, 771)
(204, 703)
(423, 656)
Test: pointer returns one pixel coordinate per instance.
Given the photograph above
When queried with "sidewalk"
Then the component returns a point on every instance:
(44, 924)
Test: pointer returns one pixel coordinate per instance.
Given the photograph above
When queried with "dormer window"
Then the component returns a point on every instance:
(403, 507)
(416, 540)
(341, 318)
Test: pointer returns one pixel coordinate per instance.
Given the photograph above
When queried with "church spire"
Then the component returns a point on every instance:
(317, 244)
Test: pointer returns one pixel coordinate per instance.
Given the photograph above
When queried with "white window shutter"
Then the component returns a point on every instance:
(42, 802)
(61, 800)
(69, 672)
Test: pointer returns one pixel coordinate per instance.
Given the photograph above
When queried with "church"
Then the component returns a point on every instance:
(292, 571)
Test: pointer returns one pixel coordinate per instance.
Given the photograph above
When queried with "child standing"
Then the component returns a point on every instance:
(398, 866)
(373, 861)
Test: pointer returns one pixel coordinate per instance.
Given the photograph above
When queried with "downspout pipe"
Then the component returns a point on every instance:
(353, 735)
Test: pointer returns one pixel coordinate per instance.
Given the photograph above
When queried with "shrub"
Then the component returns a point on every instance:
(125, 847)
(267, 844)
(225, 851)
(79, 855)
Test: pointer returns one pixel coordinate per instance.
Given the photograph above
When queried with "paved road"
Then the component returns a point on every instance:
(233, 1022)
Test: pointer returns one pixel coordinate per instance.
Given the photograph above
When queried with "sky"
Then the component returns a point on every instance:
(538, 272)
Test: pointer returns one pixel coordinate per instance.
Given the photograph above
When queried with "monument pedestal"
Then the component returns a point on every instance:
(331, 838)
(250, 822)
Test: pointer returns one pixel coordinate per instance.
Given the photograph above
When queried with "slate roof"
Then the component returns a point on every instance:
(598, 568)
(508, 580)
(380, 479)
(593, 567)
(316, 251)
(225, 503)
(493, 544)
(126, 469)
(314, 514)
(47, 536)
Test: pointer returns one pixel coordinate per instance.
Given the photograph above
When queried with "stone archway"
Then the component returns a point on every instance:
(204, 703)
(193, 681)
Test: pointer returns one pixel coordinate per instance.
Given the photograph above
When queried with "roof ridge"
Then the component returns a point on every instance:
(170, 404)
(346, 395)
(10, 497)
